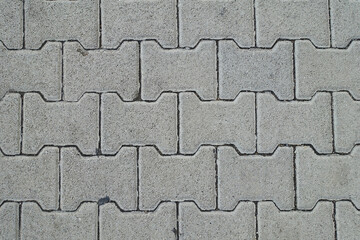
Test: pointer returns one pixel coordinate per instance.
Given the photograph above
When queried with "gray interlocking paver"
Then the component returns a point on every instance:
(10, 123)
(255, 70)
(295, 122)
(345, 21)
(255, 178)
(216, 20)
(289, 19)
(101, 71)
(160, 224)
(217, 122)
(27, 70)
(143, 19)
(332, 177)
(38, 224)
(61, 123)
(31, 178)
(92, 178)
(61, 20)
(139, 123)
(293, 225)
(347, 221)
(346, 122)
(177, 178)
(179, 119)
(239, 224)
(326, 69)
(11, 23)
(9, 220)
(178, 70)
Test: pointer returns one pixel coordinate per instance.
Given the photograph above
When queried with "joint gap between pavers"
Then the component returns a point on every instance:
(256, 221)
(98, 150)
(295, 178)
(254, 12)
(178, 123)
(334, 220)
(216, 178)
(59, 179)
(138, 98)
(100, 25)
(23, 24)
(294, 69)
(19, 224)
(217, 71)
(21, 122)
(330, 33)
(137, 180)
(98, 222)
(183, 154)
(256, 124)
(177, 231)
(332, 121)
(62, 71)
(185, 47)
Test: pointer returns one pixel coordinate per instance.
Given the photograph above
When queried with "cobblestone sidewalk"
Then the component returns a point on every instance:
(180, 119)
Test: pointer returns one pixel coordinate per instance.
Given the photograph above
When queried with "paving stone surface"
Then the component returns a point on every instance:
(39, 224)
(27, 71)
(180, 119)
(348, 221)
(9, 220)
(160, 224)
(255, 70)
(275, 224)
(11, 23)
(177, 178)
(239, 224)
(255, 178)
(31, 178)
(61, 20)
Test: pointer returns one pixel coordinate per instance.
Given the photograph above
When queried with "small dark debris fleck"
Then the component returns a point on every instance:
(104, 200)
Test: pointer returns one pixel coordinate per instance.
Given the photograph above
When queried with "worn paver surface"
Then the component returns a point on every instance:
(180, 119)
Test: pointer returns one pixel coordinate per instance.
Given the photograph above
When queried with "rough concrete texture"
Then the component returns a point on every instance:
(346, 122)
(238, 224)
(177, 178)
(292, 225)
(31, 178)
(101, 71)
(326, 69)
(292, 19)
(139, 20)
(333, 177)
(255, 70)
(10, 123)
(345, 21)
(115, 224)
(38, 224)
(93, 178)
(139, 123)
(61, 123)
(294, 122)
(348, 221)
(61, 20)
(200, 19)
(217, 122)
(27, 70)
(178, 70)
(255, 178)
(11, 19)
(179, 119)
(9, 220)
